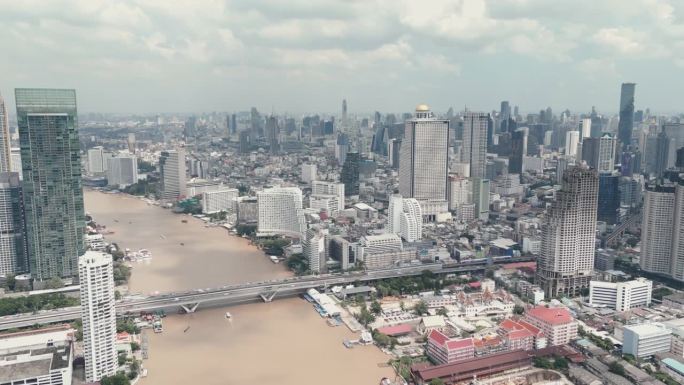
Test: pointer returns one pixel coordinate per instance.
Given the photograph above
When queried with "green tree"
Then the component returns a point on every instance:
(420, 308)
(117, 295)
(542, 362)
(135, 346)
(375, 307)
(436, 381)
(560, 363)
(442, 311)
(364, 316)
(117, 379)
(518, 309)
(617, 368)
(121, 358)
(54, 283)
(10, 282)
(382, 340)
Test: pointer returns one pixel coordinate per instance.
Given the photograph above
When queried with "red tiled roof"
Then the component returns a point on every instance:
(396, 329)
(519, 334)
(552, 315)
(474, 285)
(479, 366)
(508, 325)
(533, 329)
(460, 344)
(438, 337)
(518, 265)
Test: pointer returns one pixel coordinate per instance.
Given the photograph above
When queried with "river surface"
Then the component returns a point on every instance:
(284, 342)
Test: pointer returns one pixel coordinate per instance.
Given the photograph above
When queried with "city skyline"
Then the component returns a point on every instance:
(232, 55)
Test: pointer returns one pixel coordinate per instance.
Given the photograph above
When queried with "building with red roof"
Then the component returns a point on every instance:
(518, 334)
(396, 330)
(443, 350)
(465, 370)
(556, 323)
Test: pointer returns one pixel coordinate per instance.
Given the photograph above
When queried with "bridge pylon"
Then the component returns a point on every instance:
(190, 308)
(268, 295)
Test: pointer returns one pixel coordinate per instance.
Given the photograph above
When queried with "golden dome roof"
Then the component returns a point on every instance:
(422, 108)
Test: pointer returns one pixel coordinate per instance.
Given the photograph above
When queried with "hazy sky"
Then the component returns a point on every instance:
(306, 55)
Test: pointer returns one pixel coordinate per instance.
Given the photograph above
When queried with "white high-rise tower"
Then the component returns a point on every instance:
(566, 262)
(423, 164)
(5, 153)
(475, 143)
(98, 313)
(172, 167)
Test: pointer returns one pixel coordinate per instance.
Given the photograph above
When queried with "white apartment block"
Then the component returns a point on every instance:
(98, 312)
(309, 173)
(405, 217)
(172, 169)
(329, 203)
(315, 250)
(645, 340)
(621, 296)
(460, 192)
(411, 220)
(220, 200)
(122, 170)
(319, 187)
(280, 212)
(394, 210)
(40, 357)
(97, 160)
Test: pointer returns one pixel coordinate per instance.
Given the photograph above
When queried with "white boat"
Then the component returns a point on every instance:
(229, 316)
(274, 259)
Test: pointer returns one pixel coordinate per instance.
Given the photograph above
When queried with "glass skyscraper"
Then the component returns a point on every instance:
(626, 123)
(53, 194)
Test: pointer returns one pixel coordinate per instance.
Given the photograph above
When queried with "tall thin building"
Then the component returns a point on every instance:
(5, 152)
(273, 131)
(98, 312)
(350, 173)
(609, 198)
(475, 143)
(572, 143)
(172, 170)
(518, 151)
(131, 142)
(568, 236)
(424, 150)
(626, 123)
(599, 153)
(662, 230)
(344, 111)
(53, 194)
(13, 249)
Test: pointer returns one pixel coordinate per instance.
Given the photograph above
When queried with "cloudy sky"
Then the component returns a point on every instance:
(306, 55)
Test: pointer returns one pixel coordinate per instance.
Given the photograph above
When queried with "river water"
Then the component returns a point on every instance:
(284, 342)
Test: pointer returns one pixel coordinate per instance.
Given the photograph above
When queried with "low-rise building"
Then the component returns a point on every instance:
(557, 324)
(673, 368)
(645, 340)
(219, 200)
(621, 296)
(37, 356)
(444, 350)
